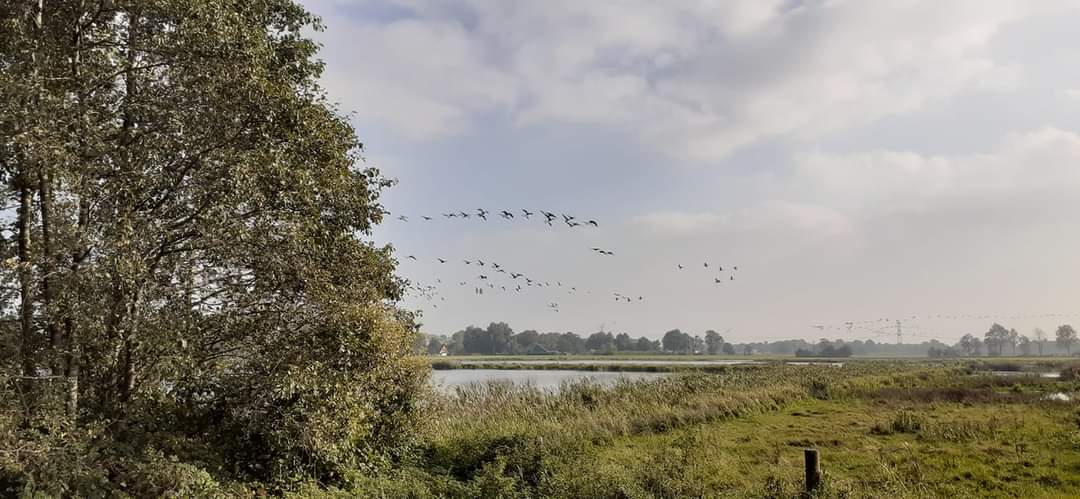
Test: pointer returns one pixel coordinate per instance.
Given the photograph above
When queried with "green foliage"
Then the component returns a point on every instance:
(194, 303)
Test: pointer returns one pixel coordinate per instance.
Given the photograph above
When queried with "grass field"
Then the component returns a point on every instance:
(884, 429)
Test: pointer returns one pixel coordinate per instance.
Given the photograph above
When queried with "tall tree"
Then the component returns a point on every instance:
(1025, 345)
(677, 342)
(191, 220)
(996, 338)
(1066, 336)
(713, 342)
(1013, 339)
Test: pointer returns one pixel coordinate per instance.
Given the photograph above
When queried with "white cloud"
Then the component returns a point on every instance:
(1034, 174)
(697, 80)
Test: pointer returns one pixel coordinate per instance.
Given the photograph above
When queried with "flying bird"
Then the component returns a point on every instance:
(403, 218)
(528, 214)
(593, 223)
(482, 213)
(441, 260)
(507, 215)
(410, 257)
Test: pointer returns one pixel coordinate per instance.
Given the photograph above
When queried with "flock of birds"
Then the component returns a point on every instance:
(493, 277)
(481, 214)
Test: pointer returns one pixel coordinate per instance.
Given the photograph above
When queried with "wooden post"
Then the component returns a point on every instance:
(813, 469)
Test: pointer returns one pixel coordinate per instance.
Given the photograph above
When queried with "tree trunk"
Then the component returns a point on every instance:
(48, 268)
(72, 348)
(26, 301)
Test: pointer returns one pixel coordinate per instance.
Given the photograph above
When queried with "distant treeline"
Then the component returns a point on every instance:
(500, 338)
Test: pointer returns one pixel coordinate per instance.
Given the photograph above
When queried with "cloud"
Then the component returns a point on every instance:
(1030, 177)
(692, 79)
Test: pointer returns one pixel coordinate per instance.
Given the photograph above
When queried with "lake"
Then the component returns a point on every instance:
(549, 379)
(612, 362)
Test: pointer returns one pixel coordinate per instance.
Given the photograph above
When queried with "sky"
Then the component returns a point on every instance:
(857, 160)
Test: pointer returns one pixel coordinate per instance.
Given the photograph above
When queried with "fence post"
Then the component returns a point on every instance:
(813, 469)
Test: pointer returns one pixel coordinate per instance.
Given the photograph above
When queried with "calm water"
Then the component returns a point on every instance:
(621, 362)
(543, 379)
(1051, 375)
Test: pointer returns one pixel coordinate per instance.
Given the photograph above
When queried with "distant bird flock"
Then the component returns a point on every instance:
(517, 282)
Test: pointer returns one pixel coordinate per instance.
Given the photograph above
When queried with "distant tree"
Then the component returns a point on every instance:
(646, 345)
(624, 343)
(436, 344)
(996, 338)
(500, 334)
(457, 343)
(571, 343)
(748, 350)
(728, 349)
(600, 342)
(523, 340)
(1040, 339)
(1013, 339)
(697, 344)
(713, 342)
(677, 342)
(476, 340)
(969, 344)
(1025, 345)
(1066, 336)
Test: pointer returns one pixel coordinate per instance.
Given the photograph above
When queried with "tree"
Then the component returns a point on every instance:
(996, 338)
(970, 345)
(192, 248)
(523, 340)
(713, 342)
(646, 345)
(600, 342)
(500, 336)
(1013, 339)
(677, 342)
(728, 349)
(1040, 339)
(624, 343)
(1025, 345)
(1066, 336)
(570, 343)
(748, 350)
